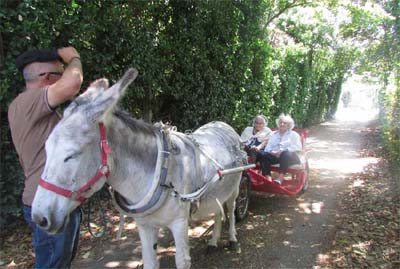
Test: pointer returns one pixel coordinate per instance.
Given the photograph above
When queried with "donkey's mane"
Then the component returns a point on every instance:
(134, 124)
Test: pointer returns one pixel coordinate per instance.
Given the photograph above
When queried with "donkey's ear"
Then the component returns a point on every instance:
(95, 88)
(118, 89)
(106, 101)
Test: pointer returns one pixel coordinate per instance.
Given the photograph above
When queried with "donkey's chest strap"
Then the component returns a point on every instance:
(155, 196)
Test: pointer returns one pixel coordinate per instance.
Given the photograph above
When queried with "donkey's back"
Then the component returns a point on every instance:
(218, 140)
(219, 145)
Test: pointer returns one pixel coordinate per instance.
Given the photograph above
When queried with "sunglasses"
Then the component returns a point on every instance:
(50, 73)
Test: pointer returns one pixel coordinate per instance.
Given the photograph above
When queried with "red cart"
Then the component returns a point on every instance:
(253, 180)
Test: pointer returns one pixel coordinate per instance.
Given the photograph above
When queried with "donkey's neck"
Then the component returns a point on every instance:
(134, 145)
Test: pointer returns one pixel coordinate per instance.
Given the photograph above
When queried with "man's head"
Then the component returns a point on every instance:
(40, 68)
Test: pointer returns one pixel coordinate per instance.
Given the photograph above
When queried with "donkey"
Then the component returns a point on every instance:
(155, 175)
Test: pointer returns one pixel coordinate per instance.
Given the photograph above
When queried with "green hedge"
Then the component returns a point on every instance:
(198, 61)
(390, 121)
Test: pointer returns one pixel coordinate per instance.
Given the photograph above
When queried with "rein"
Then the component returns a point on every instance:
(103, 171)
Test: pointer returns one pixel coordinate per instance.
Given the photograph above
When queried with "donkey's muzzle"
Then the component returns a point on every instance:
(47, 224)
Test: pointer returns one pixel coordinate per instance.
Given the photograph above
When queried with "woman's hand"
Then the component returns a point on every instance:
(276, 153)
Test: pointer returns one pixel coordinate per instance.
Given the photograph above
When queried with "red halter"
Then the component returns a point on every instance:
(101, 172)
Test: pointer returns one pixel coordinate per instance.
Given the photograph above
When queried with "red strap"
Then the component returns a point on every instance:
(102, 171)
(105, 148)
(54, 188)
(92, 181)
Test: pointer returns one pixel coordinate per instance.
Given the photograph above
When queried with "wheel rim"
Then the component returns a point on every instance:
(307, 174)
(242, 201)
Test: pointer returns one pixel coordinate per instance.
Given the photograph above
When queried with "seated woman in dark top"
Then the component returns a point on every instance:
(255, 137)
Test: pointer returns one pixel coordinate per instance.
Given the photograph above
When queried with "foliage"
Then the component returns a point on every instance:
(198, 61)
(311, 68)
(391, 111)
(379, 25)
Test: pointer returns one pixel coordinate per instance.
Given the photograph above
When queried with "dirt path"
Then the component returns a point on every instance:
(280, 232)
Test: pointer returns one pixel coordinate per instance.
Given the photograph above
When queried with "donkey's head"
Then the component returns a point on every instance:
(74, 154)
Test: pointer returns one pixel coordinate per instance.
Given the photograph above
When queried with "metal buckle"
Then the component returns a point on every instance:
(104, 169)
(74, 195)
(103, 141)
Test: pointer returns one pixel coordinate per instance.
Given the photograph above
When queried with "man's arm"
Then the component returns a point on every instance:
(70, 83)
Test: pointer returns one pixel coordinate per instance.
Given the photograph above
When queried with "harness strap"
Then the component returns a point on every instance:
(156, 195)
(197, 146)
(197, 152)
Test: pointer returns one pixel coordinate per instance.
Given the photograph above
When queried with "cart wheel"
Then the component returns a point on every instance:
(307, 175)
(243, 199)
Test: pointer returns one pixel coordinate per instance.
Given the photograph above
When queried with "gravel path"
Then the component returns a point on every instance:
(280, 232)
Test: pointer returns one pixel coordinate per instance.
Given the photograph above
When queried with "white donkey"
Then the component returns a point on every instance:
(156, 176)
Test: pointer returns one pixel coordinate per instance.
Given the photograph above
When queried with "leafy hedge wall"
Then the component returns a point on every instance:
(390, 121)
(198, 61)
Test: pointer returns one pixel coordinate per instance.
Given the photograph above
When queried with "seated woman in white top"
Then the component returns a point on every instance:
(255, 137)
(281, 148)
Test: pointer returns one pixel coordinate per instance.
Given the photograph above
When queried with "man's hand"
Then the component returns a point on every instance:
(67, 54)
(70, 82)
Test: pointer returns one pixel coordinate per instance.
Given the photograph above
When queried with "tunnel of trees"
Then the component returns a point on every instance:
(200, 61)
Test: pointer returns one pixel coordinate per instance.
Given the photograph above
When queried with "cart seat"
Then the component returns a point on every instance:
(300, 166)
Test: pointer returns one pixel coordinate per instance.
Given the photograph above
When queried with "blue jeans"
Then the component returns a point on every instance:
(55, 251)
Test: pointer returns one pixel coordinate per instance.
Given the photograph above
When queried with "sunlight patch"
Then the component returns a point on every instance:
(350, 165)
(112, 264)
(134, 264)
(357, 183)
(309, 208)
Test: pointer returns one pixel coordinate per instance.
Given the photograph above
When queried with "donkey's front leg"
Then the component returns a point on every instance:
(180, 228)
(213, 242)
(148, 237)
(233, 242)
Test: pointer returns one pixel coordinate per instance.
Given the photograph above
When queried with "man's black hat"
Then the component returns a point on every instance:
(30, 56)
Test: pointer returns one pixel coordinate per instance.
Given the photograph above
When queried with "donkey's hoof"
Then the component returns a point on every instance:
(211, 249)
(235, 246)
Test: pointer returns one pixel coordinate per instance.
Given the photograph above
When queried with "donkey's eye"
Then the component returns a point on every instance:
(71, 156)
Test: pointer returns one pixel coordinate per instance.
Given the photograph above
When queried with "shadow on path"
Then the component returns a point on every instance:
(280, 232)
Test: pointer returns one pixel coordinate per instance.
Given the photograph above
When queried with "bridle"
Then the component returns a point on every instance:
(103, 171)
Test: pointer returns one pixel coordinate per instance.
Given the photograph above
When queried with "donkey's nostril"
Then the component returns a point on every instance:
(43, 223)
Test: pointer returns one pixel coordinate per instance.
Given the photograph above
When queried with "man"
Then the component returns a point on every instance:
(32, 117)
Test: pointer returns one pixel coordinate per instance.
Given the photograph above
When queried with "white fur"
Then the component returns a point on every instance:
(132, 166)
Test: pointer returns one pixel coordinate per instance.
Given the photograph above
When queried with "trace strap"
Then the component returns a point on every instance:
(103, 171)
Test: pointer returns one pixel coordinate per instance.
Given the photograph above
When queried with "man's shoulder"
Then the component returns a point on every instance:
(27, 101)
(15, 102)
(28, 95)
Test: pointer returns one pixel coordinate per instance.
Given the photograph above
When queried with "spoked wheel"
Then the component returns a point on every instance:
(243, 199)
(306, 175)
